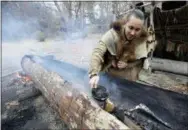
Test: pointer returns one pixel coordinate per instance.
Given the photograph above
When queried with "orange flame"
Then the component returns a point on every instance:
(25, 78)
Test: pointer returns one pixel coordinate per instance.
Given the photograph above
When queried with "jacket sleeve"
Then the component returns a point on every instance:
(97, 59)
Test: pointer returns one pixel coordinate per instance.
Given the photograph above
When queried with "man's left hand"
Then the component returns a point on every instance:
(121, 64)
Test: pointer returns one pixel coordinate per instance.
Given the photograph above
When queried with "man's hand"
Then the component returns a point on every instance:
(114, 63)
(121, 64)
(94, 81)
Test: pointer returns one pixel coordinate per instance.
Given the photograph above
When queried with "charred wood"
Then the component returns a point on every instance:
(164, 104)
(75, 108)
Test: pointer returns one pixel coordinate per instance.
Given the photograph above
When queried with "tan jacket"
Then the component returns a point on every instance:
(106, 51)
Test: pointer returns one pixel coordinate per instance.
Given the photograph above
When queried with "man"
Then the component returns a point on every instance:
(107, 56)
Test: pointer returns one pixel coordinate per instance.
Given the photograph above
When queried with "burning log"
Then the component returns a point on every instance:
(26, 92)
(25, 78)
(18, 89)
(75, 108)
(18, 92)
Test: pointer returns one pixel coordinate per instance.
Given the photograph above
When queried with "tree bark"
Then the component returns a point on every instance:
(169, 66)
(75, 108)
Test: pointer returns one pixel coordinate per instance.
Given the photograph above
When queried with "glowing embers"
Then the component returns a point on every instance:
(24, 78)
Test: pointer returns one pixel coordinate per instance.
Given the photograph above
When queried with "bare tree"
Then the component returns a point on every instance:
(78, 8)
(60, 12)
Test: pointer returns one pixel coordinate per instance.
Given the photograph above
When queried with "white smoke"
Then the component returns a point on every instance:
(15, 29)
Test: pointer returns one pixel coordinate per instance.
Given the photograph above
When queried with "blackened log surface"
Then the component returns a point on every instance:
(171, 107)
(76, 108)
(14, 89)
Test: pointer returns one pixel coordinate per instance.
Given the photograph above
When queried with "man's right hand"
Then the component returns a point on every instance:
(94, 81)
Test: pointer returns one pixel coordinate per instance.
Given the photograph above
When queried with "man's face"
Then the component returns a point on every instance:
(133, 27)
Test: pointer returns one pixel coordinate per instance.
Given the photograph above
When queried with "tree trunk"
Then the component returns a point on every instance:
(75, 108)
(61, 12)
(169, 66)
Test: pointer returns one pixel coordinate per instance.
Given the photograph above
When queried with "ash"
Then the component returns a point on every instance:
(26, 112)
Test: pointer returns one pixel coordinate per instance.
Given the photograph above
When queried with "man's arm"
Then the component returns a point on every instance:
(107, 42)
(97, 59)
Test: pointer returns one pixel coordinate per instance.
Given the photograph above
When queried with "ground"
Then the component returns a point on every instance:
(76, 52)
(72, 51)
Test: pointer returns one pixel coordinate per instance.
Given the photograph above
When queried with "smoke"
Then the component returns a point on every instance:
(37, 17)
(78, 77)
(73, 74)
(14, 29)
(112, 87)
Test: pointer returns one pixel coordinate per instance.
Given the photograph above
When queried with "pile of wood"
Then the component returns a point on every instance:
(23, 106)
